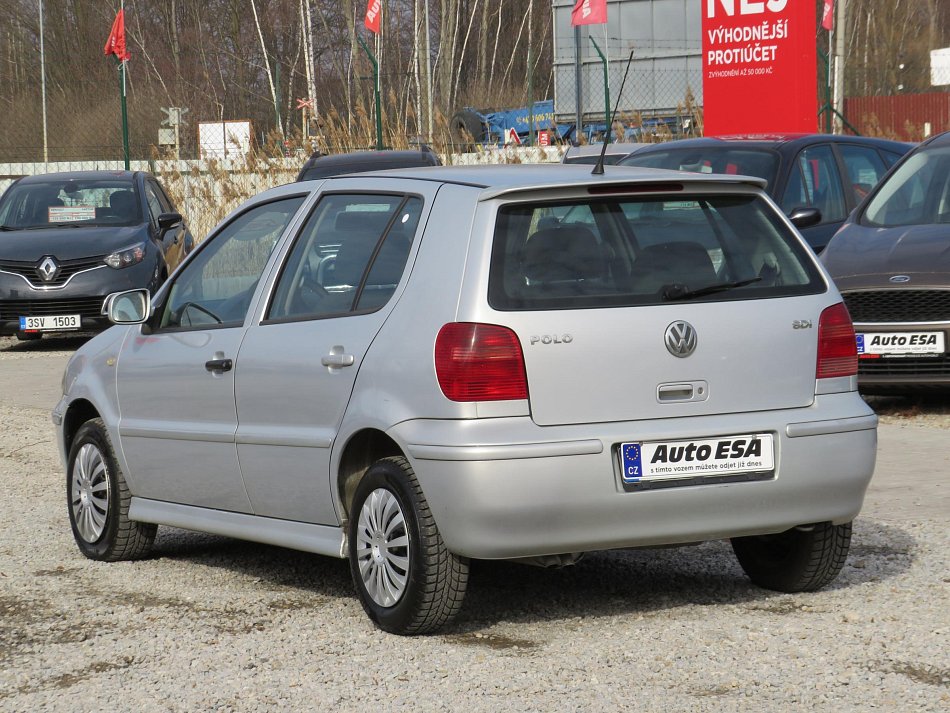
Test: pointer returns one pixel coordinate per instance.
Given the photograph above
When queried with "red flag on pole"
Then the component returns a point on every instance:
(828, 15)
(116, 42)
(373, 8)
(589, 12)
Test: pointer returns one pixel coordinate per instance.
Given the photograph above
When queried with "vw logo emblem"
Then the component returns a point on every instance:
(48, 269)
(899, 278)
(680, 339)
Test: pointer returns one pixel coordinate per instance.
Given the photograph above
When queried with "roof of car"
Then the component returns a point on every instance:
(939, 140)
(322, 166)
(343, 159)
(77, 175)
(499, 179)
(775, 141)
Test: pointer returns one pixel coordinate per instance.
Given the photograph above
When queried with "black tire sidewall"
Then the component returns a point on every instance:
(388, 476)
(93, 432)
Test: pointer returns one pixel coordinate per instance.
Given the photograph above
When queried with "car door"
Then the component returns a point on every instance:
(298, 365)
(175, 377)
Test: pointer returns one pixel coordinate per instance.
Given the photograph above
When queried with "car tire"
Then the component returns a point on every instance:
(467, 127)
(407, 580)
(802, 559)
(98, 500)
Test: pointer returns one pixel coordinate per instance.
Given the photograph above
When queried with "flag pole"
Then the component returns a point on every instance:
(125, 113)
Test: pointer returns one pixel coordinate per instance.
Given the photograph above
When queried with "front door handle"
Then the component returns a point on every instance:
(338, 360)
(219, 365)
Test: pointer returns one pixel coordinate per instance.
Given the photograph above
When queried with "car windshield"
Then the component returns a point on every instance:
(67, 203)
(744, 161)
(650, 250)
(918, 193)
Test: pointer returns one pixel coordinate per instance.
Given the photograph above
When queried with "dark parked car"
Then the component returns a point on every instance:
(891, 261)
(69, 239)
(590, 153)
(830, 173)
(323, 166)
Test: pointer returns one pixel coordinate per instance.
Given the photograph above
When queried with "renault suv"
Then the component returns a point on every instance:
(419, 368)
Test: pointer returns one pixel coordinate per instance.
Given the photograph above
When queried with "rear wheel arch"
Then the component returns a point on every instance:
(363, 448)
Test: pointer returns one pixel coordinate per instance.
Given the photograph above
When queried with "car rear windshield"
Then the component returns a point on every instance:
(736, 160)
(70, 203)
(645, 250)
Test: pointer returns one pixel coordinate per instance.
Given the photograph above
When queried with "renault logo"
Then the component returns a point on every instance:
(48, 269)
(680, 338)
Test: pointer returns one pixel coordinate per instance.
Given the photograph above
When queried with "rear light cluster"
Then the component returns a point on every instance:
(480, 362)
(837, 348)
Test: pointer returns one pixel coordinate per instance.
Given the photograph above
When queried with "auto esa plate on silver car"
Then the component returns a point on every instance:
(706, 458)
(901, 343)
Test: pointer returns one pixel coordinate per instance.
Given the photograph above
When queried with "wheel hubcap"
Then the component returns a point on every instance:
(382, 548)
(89, 492)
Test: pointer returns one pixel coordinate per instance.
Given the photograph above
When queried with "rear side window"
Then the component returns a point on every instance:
(865, 168)
(641, 251)
(349, 257)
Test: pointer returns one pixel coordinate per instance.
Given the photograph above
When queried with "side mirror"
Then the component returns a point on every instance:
(804, 217)
(131, 307)
(167, 221)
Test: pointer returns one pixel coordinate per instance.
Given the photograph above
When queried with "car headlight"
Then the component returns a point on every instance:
(126, 257)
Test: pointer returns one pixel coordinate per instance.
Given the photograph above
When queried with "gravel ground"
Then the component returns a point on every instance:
(210, 623)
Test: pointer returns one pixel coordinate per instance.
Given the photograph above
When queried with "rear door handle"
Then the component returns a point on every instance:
(219, 365)
(338, 360)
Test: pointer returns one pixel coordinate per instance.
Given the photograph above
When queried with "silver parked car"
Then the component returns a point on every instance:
(417, 368)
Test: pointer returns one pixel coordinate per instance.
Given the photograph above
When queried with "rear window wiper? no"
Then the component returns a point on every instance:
(676, 291)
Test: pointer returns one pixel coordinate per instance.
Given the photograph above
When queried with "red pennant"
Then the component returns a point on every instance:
(589, 12)
(116, 42)
(373, 9)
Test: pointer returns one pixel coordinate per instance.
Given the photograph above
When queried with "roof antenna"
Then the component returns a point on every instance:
(599, 168)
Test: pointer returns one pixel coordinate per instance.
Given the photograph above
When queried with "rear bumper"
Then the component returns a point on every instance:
(504, 488)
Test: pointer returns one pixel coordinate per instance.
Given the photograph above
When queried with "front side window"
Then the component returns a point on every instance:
(216, 287)
(814, 182)
(349, 256)
(154, 204)
(68, 203)
(648, 250)
(918, 192)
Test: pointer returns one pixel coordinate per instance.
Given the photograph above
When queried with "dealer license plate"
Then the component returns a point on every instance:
(49, 323)
(666, 460)
(900, 343)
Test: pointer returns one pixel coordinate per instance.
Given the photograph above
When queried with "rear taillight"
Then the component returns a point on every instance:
(837, 349)
(480, 362)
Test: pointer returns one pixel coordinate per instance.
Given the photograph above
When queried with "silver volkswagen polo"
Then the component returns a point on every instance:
(418, 368)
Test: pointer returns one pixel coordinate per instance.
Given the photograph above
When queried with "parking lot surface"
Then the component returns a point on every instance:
(210, 623)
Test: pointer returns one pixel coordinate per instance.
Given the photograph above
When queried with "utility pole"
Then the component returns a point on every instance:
(43, 82)
(838, 100)
(428, 74)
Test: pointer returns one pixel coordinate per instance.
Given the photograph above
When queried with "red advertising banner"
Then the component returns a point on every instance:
(759, 67)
